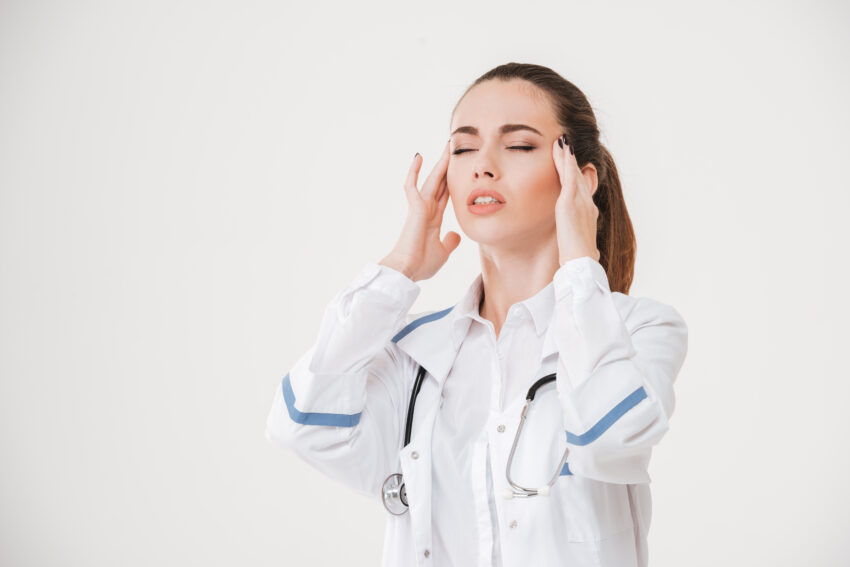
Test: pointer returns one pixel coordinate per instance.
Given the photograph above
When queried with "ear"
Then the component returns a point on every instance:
(589, 173)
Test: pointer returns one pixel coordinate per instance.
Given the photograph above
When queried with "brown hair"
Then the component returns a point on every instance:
(615, 236)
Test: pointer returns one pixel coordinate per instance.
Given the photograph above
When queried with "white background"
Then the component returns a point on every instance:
(185, 185)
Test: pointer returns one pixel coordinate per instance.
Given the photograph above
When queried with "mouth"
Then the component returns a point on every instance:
(485, 208)
(494, 197)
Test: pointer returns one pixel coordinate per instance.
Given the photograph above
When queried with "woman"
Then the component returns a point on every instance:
(557, 254)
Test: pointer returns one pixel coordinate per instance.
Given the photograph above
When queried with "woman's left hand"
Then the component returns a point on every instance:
(575, 211)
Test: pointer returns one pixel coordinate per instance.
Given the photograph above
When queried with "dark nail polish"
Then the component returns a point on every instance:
(564, 137)
(561, 143)
(416, 154)
(571, 150)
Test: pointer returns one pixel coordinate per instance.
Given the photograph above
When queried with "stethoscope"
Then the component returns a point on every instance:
(395, 493)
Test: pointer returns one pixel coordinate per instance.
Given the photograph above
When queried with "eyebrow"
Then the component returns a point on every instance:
(505, 129)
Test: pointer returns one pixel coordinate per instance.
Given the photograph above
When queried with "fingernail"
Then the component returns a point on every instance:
(564, 137)
(561, 143)
(416, 154)
(571, 150)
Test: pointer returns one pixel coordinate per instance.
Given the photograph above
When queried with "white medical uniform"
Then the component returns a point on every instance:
(342, 408)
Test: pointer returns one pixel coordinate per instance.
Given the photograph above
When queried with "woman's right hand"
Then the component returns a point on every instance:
(419, 252)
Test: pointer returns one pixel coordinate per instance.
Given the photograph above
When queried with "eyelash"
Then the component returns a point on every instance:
(523, 148)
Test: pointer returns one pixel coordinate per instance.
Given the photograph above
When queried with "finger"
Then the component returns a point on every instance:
(581, 183)
(444, 198)
(584, 185)
(432, 182)
(566, 170)
(556, 157)
(570, 166)
(443, 189)
(410, 183)
(451, 241)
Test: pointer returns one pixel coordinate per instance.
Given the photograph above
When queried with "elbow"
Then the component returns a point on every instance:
(621, 454)
(621, 467)
(285, 428)
(278, 432)
(282, 426)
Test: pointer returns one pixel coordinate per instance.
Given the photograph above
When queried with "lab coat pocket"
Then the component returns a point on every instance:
(591, 510)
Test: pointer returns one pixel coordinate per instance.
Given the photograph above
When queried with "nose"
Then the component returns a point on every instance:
(483, 165)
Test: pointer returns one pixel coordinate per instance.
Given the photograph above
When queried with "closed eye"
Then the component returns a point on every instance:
(522, 148)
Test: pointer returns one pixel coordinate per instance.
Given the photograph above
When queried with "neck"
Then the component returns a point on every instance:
(511, 276)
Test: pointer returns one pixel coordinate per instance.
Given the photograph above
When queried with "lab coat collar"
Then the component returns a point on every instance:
(539, 306)
(433, 339)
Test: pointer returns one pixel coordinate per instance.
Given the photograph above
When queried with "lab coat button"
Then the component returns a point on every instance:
(414, 455)
(513, 523)
(500, 429)
(427, 553)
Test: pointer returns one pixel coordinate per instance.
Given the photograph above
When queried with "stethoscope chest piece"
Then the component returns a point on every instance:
(395, 495)
(394, 491)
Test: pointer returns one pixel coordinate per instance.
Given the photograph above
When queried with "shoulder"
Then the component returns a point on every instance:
(413, 321)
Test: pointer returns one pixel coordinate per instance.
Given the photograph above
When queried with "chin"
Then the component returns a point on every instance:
(492, 235)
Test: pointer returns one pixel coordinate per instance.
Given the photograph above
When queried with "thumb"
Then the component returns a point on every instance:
(451, 241)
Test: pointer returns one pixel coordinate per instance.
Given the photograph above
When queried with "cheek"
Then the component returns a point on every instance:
(545, 184)
(547, 175)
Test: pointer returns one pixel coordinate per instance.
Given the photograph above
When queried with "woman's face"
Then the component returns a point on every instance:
(484, 156)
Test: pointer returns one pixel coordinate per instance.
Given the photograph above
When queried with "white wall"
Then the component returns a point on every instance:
(185, 185)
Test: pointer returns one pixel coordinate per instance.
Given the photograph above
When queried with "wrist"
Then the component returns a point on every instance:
(398, 266)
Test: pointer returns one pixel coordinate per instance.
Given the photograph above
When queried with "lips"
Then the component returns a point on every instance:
(481, 192)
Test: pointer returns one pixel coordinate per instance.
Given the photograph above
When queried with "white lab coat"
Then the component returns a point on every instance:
(343, 404)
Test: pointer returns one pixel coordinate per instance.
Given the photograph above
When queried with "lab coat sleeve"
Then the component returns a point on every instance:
(339, 407)
(615, 373)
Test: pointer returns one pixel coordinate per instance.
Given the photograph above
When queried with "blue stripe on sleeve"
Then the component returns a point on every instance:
(341, 419)
(315, 418)
(608, 420)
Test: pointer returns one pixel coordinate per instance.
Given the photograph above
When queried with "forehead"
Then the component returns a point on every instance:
(492, 103)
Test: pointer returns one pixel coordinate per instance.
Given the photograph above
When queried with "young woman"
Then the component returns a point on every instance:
(531, 183)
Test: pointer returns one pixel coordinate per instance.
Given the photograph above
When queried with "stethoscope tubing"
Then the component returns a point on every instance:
(394, 486)
(521, 491)
(416, 387)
